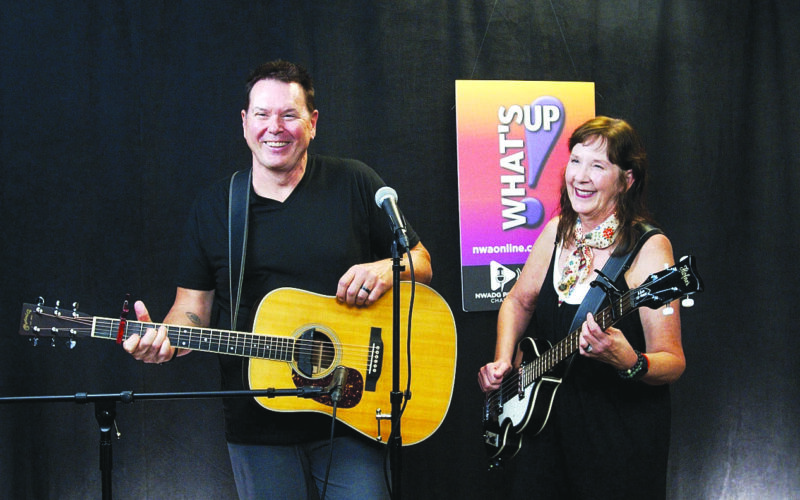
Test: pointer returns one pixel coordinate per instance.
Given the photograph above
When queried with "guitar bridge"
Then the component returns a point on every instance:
(375, 359)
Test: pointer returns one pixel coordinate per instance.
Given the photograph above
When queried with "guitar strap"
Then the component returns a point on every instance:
(615, 266)
(238, 215)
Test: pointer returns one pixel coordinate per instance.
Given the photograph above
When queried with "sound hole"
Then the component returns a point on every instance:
(314, 353)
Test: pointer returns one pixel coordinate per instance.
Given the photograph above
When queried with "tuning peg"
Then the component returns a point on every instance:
(668, 310)
(687, 302)
(71, 342)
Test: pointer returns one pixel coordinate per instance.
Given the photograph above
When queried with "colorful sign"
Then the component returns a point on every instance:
(512, 149)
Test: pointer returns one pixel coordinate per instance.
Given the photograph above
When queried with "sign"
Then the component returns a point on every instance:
(512, 150)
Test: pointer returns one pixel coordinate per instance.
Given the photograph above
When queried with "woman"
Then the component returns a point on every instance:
(608, 431)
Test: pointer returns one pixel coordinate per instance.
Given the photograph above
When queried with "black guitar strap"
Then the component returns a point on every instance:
(615, 266)
(238, 214)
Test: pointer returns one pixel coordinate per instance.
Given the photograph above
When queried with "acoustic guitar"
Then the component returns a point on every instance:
(299, 338)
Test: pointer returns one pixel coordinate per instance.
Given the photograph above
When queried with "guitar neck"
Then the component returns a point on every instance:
(248, 345)
(570, 344)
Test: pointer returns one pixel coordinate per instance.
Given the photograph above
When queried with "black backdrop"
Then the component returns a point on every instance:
(115, 114)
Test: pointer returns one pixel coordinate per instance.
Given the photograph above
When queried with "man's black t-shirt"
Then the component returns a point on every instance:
(329, 223)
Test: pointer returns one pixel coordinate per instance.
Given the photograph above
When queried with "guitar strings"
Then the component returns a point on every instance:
(236, 341)
(531, 372)
(241, 342)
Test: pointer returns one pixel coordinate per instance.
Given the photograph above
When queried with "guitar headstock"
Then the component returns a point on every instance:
(676, 282)
(39, 321)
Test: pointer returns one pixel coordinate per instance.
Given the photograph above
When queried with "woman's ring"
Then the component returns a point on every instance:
(366, 289)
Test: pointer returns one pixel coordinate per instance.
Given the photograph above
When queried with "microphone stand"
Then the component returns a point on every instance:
(396, 397)
(105, 411)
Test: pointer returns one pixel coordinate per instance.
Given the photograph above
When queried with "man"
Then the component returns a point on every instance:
(313, 225)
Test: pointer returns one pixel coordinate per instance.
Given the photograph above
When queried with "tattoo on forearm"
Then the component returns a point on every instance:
(193, 318)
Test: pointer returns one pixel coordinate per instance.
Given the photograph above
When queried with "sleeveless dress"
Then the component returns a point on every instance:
(606, 437)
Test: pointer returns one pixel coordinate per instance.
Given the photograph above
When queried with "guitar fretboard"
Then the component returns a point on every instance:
(605, 318)
(205, 339)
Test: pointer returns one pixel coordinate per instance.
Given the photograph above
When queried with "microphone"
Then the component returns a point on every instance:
(386, 198)
(337, 383)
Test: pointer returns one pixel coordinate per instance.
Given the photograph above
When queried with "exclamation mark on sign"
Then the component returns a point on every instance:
(547, 115)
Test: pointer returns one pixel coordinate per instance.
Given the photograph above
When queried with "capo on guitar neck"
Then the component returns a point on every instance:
(123, 318)
(612, 292)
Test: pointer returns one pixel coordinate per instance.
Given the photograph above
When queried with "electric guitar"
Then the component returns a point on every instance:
(299, 338)
(526, 394)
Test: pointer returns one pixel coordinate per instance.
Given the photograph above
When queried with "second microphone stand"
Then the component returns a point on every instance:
(105, 410)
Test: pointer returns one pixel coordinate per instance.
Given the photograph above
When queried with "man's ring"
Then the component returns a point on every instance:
(366, 290)
(588, 348)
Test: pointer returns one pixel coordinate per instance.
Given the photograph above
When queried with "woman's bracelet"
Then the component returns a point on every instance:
(638, 370)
